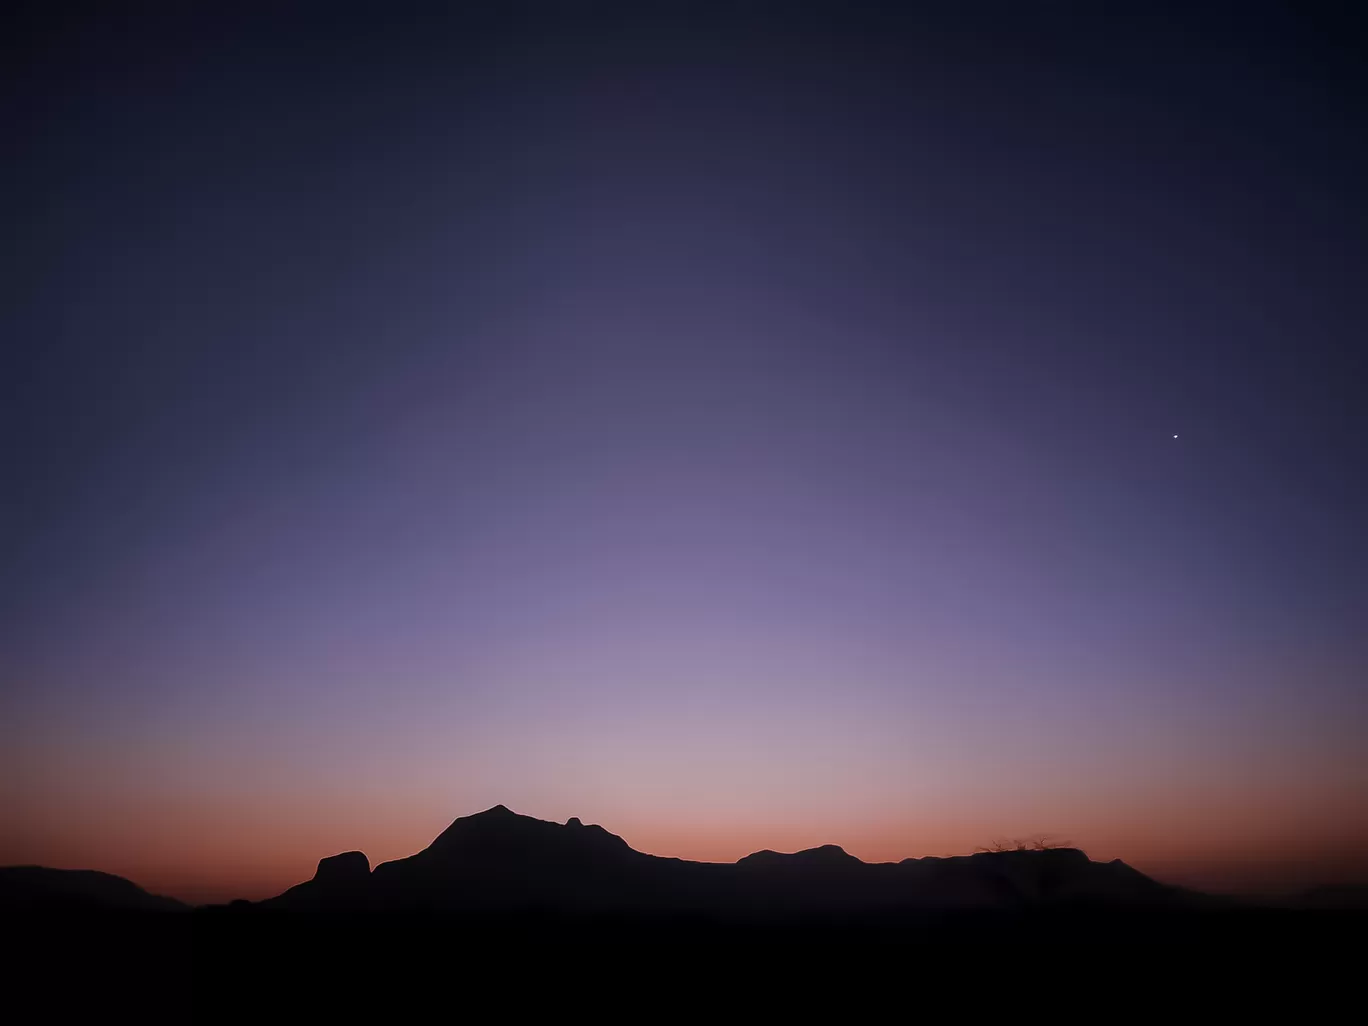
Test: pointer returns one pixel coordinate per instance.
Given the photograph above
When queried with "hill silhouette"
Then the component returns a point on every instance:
(499, 862)
(499, 895)
(77, 890)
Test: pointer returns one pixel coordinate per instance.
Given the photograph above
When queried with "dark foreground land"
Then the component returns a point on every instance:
(210, 961)
(503, 915)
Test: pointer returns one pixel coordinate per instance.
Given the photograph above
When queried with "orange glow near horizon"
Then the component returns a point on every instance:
(211, 821)
(203, 852)
(738, 436)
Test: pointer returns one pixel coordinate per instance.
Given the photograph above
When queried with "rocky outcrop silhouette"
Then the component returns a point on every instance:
(340, 882)
(342, 870)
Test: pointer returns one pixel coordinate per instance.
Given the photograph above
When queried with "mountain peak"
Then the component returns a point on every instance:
(508, 831)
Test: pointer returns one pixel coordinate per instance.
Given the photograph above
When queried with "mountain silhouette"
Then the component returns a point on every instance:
(76, 890)
(498, 861)
(498, 899)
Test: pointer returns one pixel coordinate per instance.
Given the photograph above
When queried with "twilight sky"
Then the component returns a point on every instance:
(751, 431)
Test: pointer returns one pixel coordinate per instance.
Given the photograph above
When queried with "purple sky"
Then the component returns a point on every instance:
(738, 434)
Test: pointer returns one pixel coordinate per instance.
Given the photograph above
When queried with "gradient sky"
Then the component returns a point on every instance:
(752, 431)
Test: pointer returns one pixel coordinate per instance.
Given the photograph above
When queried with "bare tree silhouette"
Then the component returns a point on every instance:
(1036, 842)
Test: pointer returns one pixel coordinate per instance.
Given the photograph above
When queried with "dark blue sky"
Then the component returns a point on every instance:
(730, 428)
